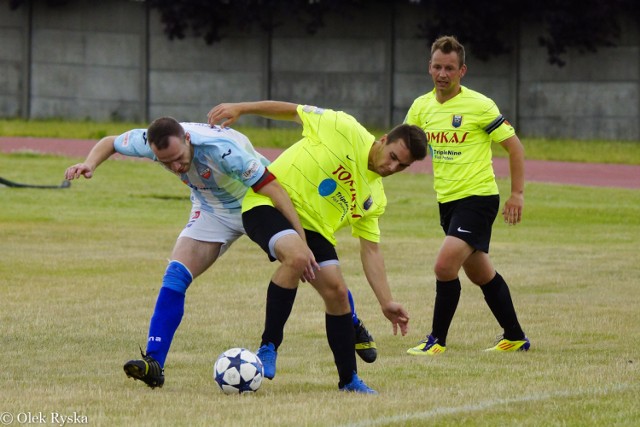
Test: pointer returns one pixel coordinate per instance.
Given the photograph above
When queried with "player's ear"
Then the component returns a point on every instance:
(187, 138)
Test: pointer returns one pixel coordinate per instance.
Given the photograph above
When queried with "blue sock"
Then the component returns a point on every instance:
(168, 311)
(354, 316)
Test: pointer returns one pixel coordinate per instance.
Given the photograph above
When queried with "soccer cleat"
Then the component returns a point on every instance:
(506, 345)
(267, 355)
(357, 386)
(147, 370)
(365, 345)
(427, 347)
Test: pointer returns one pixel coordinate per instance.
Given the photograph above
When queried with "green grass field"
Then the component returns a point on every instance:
(81, 267)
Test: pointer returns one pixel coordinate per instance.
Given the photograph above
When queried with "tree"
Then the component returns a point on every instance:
(488, 27)
(212, 19)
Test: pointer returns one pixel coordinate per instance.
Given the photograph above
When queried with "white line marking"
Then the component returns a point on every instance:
(421, 416)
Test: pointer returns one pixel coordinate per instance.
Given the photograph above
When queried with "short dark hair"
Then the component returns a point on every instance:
(414, 139)
(448, 44)
(161, 129)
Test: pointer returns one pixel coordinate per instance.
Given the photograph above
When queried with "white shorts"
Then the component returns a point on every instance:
(205, 226)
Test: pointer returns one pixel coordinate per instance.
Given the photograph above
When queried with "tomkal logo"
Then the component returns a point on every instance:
(447, 137)
(345, 177)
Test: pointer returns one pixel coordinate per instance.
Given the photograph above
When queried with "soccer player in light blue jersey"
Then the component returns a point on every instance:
(219, 165)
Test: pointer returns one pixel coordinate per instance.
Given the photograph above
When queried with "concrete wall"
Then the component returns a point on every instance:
(592, 96)
(111, 60)
(87, 61)
(13, 62)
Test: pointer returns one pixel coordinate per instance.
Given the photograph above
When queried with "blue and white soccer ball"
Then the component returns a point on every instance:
(238, 370)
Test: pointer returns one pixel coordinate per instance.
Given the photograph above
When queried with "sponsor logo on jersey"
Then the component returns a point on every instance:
(456, 122)
(193, 219)
(349, 201)
(367, 203)
(312, 109)
(327, 187)
(205, 173)
(445, 154)
(446, 137)
(251, 169)
(226, 154)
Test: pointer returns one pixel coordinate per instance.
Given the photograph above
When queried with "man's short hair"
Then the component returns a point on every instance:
(414, 139)
(161, 129)
(448, 44)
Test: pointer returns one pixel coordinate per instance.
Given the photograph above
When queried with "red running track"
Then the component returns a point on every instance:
(584, 174)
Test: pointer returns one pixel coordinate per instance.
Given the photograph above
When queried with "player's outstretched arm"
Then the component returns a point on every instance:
(227, 113)
(98, 154)
(374, 270)
(513, 207)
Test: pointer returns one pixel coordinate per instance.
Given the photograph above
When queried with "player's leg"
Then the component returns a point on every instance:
(266, 226)
(456, 248)
(365, 344)
(448, 263)
(201, 242)
(496, 292)
(339, 327)
(331, 286)
(281, 295)
(189, 259)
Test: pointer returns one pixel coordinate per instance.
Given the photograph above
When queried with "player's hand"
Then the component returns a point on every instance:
(76, 170)
(311, 268)
(398, 316)
(512, 212)
(225, 114)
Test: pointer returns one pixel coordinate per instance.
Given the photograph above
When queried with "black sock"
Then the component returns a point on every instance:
(279, 304)
(447, 297)
(341, 337)
(498, 298)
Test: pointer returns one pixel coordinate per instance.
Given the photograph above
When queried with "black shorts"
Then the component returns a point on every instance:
(470, 219)
(262, 223)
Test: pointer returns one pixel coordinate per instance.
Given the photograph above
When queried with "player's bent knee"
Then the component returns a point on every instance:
(334, 292)
(296, 261)
(445, 273)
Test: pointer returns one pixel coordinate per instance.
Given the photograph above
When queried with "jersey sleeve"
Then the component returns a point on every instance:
(239, 163)
(496, 125)
(412, 116)
(329, 127)
(367, 228)
(311, 118)
(134, 144)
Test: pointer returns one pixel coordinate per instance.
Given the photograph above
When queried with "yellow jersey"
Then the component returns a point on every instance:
(326, 176)
(460, 132)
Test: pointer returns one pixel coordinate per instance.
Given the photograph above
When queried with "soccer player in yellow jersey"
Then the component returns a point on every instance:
(461, 126)
(333, 176)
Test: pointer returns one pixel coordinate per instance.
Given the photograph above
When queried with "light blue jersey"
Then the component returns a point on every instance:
(224, 165)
